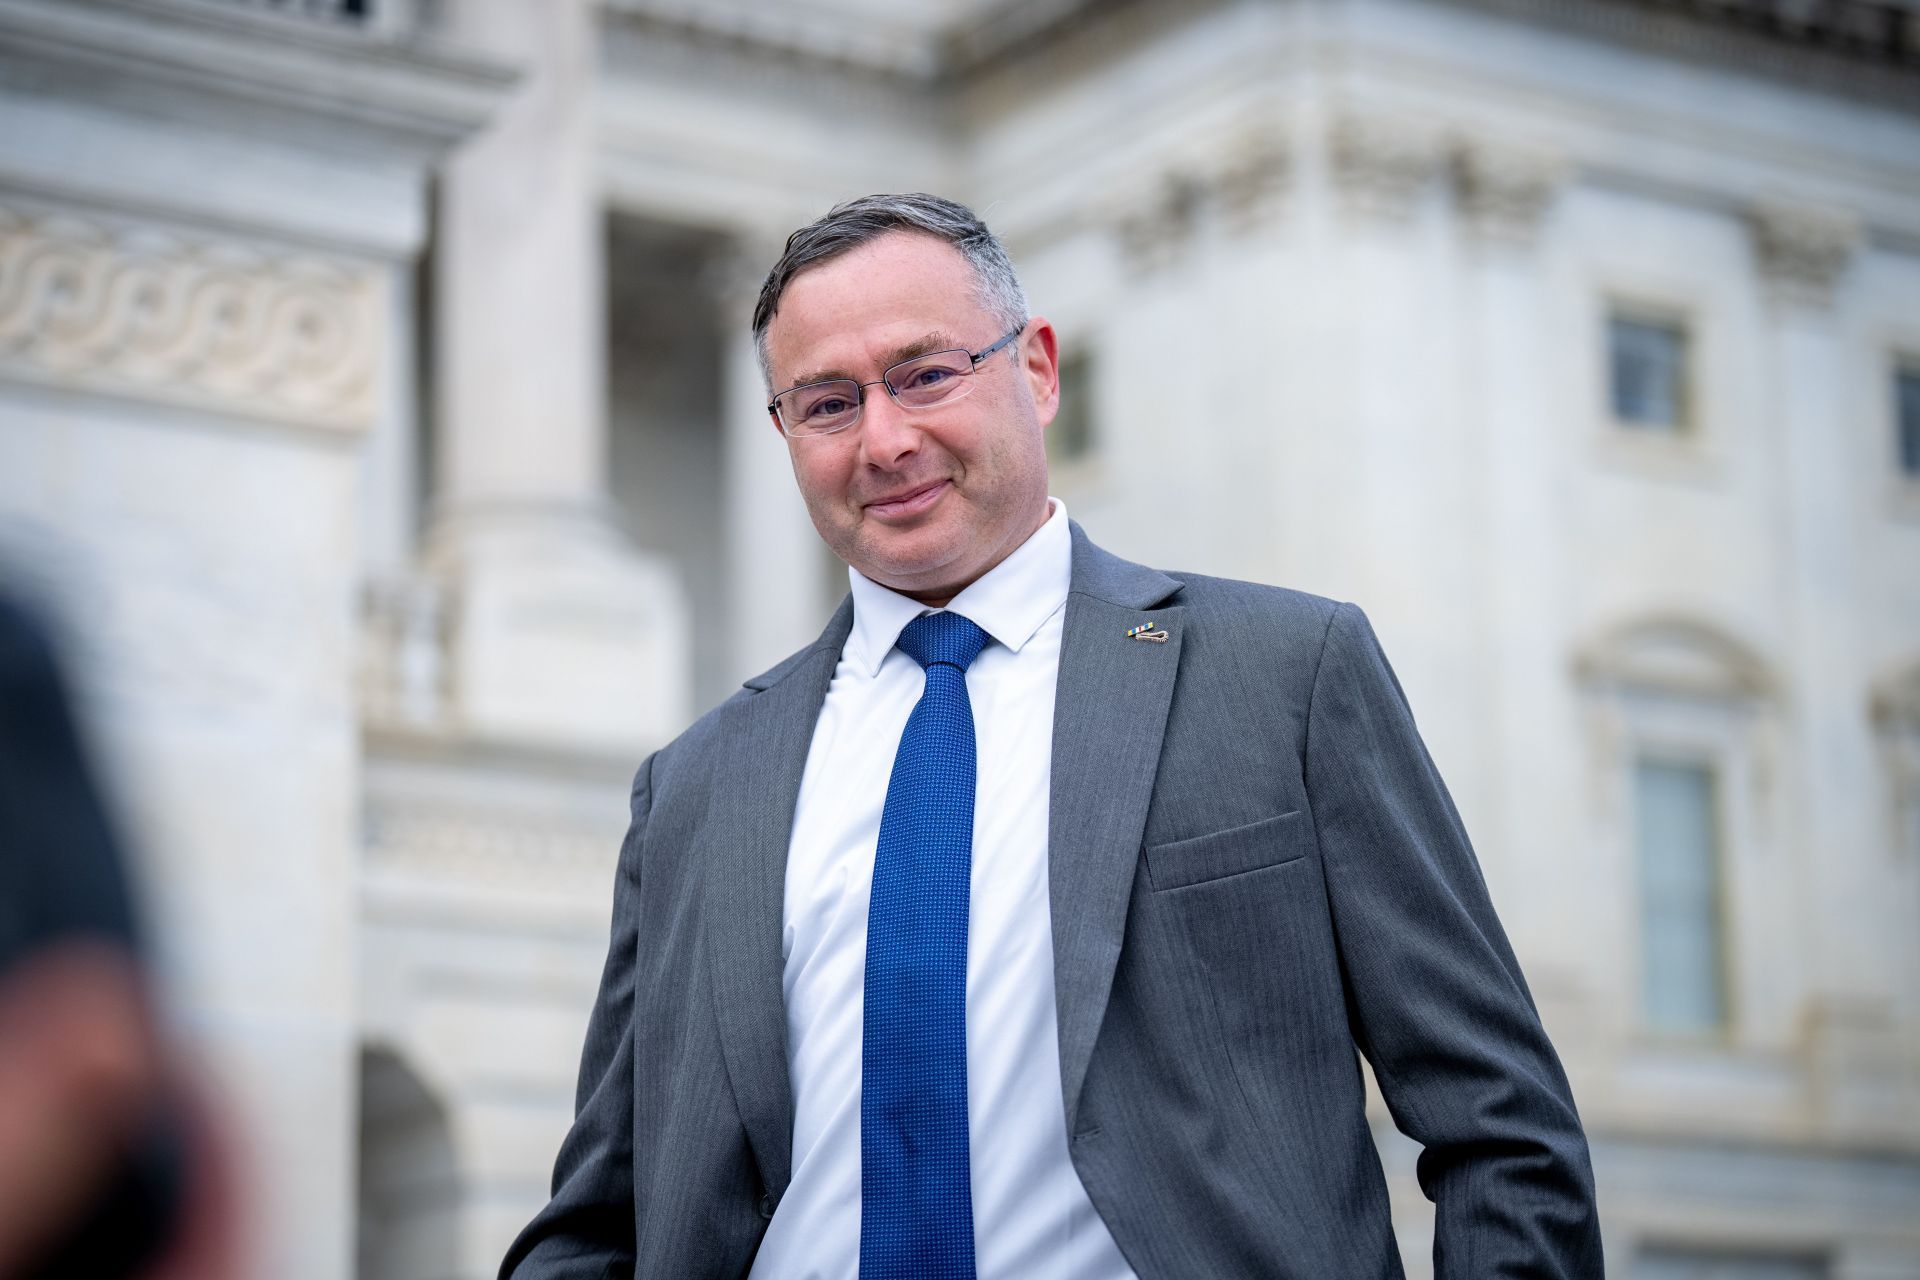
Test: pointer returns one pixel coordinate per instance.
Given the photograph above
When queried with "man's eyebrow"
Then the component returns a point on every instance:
(926, 343)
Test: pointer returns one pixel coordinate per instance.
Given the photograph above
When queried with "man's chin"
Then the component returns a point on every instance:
(908, 569)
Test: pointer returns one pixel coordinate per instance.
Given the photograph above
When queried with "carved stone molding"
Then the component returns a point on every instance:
(206, 324)
(1505, 189)
(1803, 249)
(1384, 164)
(1251, 178)
(1239, 186)
(1676, 654)
(1156, 225)
(490, 849)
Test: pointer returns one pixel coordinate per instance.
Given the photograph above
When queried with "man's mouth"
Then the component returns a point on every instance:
(908, 502)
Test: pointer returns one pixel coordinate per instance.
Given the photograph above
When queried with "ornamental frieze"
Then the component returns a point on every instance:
(196, 322)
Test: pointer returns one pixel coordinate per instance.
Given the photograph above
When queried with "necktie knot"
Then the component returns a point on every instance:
(946, 638)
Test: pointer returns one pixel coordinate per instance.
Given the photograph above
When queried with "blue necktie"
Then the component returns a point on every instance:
(916, 1193)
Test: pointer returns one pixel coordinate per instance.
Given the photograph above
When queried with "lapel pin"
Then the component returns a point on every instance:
(1145, 631)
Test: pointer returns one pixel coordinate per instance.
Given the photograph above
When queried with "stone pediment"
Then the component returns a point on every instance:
(1676, 654)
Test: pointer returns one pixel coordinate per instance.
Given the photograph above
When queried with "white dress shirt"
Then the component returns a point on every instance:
(1031, 1215)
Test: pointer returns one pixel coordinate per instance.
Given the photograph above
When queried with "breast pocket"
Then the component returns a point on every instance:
(1266, 843)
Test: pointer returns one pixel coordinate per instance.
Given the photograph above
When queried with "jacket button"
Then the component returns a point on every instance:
(767, 1203)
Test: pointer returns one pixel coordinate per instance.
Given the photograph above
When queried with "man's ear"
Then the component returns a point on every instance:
(1041, 351)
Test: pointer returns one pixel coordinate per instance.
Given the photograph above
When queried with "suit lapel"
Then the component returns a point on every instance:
(760, 754)
(1110, 712)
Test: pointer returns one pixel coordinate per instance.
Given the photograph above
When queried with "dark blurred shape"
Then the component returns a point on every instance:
(94, 1152)
(60, 872)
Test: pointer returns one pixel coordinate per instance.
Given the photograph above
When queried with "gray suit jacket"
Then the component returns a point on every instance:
(1254, 868)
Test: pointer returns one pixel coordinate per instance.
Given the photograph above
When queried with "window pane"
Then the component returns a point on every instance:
(1906, 395)
(1704, 1264)
(1070, 435)
(1682, 987)
(1648, 360)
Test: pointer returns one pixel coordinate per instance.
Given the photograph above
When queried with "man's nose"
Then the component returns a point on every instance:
(887, 432)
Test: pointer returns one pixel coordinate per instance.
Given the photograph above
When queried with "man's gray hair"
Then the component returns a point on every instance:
(849, 225)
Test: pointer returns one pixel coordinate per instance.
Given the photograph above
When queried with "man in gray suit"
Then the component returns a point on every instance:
(1030, 921)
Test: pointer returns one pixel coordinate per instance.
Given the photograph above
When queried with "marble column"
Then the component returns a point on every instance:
(1804, 253)
(781, 580)
(1504, 195)
(559, 631)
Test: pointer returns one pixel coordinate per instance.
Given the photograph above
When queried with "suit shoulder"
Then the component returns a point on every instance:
(691, 752)
(1231, 600)
(695, 741)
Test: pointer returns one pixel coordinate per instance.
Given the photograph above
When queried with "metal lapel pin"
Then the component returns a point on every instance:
(1145, 631)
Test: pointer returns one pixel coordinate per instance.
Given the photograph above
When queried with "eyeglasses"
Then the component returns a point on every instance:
(937, 378)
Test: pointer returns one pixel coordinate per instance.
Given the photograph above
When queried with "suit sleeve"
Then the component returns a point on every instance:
(1434, 993)
(586, 1231)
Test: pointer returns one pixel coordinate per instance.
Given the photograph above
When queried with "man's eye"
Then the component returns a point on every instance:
(831, 407)
(931, 376)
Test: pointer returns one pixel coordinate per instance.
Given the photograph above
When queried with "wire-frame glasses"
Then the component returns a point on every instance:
(937, 378)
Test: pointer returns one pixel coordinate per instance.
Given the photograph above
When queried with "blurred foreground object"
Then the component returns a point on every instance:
(105, 1171)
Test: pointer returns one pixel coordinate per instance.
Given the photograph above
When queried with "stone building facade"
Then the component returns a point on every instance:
(378, 412)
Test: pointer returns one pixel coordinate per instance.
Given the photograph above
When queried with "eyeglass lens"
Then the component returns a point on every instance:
(919, 383)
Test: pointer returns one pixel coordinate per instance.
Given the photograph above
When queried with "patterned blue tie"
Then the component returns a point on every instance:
(916, 1193)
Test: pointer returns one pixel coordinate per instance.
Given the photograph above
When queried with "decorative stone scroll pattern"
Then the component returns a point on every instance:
(1803, 249)
(211, 325)
(1240, 186)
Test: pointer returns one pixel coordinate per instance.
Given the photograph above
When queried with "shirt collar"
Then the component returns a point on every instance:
(1009, 601)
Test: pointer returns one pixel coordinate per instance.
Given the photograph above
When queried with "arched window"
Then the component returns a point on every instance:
(1681, 714)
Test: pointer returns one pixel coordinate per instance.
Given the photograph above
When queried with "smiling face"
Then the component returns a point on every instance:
(920, 500)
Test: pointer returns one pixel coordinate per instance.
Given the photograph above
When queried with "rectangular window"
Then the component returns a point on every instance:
(1712, 1264)
(1906, 417)
(1070, 436)
(1647, 372)
(1683, 983)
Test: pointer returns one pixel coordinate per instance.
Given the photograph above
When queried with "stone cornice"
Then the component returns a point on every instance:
(1869, 47)
(1862, 49)
(326, 83)
(917, 54)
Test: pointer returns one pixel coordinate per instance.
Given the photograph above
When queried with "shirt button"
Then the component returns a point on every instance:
(767, 1203)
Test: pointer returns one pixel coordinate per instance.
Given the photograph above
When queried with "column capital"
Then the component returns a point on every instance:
(1251, 176)
(1505, 188)
(1156, 221)
(1237, 186)
(1383, 164)
(1803, 249)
